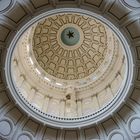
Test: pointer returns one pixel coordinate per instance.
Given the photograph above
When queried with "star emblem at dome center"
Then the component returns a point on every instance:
(70, 34)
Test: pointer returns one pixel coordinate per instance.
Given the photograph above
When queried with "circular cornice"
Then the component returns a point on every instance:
(71, 122)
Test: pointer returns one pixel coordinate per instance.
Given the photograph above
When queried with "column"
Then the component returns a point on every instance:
(119, 77)
(62, 108)
(31, 94)
(97, 100)
(109, 91)
(45, 104)
(79, 108)
(21, 80)
(38, 100)
(95, 103)
(71, 105)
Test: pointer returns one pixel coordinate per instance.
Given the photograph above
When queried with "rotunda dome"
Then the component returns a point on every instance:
(69, 67)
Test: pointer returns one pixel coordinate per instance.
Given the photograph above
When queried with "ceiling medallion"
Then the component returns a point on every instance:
(70, 36)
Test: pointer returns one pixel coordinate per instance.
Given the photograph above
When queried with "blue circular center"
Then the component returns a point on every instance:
(70, 36)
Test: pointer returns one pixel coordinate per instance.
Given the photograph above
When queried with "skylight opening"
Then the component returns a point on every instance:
(59, 84)
(31, 60)
(47, 79)
(28, 48)
(38, 71)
